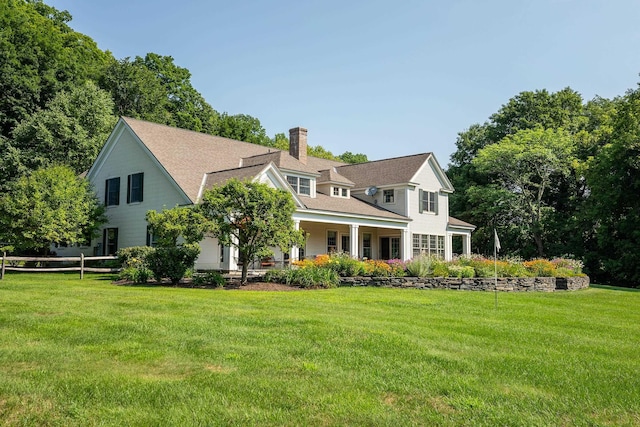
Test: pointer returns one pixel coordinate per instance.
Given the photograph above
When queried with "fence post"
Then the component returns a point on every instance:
(81, 265)
(4, 255)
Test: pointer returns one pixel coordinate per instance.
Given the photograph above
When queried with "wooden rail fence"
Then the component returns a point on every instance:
(81, 268)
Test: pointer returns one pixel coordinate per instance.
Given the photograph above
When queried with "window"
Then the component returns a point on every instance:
(152, 239)
(428, 244)
(110, 241)
(428, 202)
(112, 192)
(305, 186)
(366, 245)
(221, 254)
(340, 192)
(332, 241)
(388, 196)
(300, 185)
(134, 187)
(345, 242)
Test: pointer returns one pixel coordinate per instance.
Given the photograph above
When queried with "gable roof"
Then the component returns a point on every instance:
(187, 155)
(398, 170)
(332, 176)
(394, 171)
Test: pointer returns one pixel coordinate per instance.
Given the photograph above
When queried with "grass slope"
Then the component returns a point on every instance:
(90, 353)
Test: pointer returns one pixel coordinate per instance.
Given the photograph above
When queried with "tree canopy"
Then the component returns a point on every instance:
(51, 205)
(252, 217)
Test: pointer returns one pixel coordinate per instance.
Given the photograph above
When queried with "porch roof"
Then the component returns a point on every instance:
(322, 202)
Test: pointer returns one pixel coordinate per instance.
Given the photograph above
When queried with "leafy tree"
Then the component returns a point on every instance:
(52, 205)
(320, 152)
(613, 205)
(41, 55)
(71, 130)
(171, 224)
(186, 107)
(251, 216)
(525, 111)
(136, 91)
(349, 157)
(172, 259)
(524, 165)
(280, 141)
(243, 127)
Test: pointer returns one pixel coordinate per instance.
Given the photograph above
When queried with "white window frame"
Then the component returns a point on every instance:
(389, 197)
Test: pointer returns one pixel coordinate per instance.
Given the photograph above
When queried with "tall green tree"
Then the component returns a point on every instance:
(71, 130)
(252, 217)
(51, 205)
(523, 166)
(169, 225)
(186, 107)
(135, 90)
(526, 111)
(242, 127)
(613, 205)
(41, 55)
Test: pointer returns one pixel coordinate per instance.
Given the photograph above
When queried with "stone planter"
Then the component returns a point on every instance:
(504, 284)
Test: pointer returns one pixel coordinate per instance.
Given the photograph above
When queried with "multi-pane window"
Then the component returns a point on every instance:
(340, 192)
(112, 192)
(388, 196)
(110, 241)
(428, 201)
(428, 244)
(332, 241)
(366, 245)
(134, 187)
(300, 185)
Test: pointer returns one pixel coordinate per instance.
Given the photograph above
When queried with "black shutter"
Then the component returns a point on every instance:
(128, 188)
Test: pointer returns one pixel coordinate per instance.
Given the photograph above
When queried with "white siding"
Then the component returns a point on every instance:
(428, 222)
(127, 157)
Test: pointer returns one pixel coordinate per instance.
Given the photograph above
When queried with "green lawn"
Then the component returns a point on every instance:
(91, 353)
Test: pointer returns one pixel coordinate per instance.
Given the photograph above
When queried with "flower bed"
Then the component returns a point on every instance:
(474, 273)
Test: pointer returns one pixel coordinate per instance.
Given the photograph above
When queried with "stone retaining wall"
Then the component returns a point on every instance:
(507, 284)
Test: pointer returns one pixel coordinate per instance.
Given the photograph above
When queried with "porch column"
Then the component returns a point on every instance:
(405, 245)
(233, 255)
(448, 247)
(353, 241)
(466, 244)
(294, 253)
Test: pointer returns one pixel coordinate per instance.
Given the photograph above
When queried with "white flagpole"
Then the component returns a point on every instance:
(496, 248)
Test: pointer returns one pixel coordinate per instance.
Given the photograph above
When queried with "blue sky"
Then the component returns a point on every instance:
(384, 78)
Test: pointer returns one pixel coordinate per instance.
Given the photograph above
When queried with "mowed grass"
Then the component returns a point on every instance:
(91, 353)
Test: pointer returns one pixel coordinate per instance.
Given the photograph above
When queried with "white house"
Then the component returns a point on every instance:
(385, 209)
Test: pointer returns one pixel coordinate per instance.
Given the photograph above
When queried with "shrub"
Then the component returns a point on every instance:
(344, 265)
(172, 262)
(398, 268)
(461, 271)
(567, 267)
(540, 268)
(139, 274)
(211, 278)
(420, 266)
(376, 268)
(307, 277)
(134, 256)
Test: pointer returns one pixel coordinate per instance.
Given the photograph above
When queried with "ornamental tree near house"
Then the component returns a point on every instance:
(252, 217)
(52, 205)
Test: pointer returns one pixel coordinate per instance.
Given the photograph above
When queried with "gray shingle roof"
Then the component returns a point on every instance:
(322, 202)
(187, 155)
(455, 222)
(331, 175)
(398, 170)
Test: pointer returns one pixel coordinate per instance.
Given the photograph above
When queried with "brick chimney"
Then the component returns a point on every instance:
(298, 144)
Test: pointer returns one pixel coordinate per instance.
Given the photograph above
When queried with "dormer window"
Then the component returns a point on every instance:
(340, 192)
(388, 196)
(300, 185)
